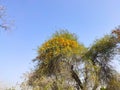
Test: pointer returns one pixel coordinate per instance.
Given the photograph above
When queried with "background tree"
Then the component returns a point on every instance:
(65, 64)
(5, 22)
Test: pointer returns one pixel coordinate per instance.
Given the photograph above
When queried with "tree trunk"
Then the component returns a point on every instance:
(76, 78)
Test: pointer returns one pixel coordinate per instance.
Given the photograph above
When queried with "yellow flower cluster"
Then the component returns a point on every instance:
(58, 45)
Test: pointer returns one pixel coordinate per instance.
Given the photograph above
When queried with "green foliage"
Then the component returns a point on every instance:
(65, 34)
(101, 53)
(102, 48)
(102, 88)
(114, 83)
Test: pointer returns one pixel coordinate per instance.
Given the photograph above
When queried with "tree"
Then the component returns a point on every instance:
(57, 58)
(4, 21)
(65, 64)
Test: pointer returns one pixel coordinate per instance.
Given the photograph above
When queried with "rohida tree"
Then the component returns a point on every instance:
(57, 58)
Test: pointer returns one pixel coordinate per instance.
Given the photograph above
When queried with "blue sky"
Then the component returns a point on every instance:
(36, 20)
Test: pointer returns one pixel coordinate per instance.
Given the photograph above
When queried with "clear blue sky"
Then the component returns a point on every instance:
(36, 20)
